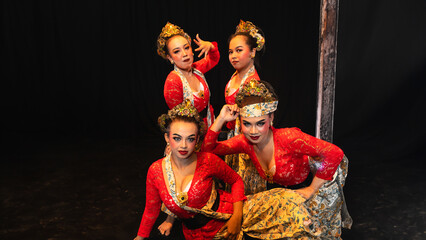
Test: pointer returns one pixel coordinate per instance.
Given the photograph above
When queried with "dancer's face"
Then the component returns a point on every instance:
(180, 52)
(182, 138)
(256, 129)
(240, 54)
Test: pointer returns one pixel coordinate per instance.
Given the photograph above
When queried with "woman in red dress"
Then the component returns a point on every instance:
(285, 156)
(184, 182)
(187, 80)
(246, 46)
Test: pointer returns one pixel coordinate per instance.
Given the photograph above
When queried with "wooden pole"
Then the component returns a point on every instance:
(327, 68)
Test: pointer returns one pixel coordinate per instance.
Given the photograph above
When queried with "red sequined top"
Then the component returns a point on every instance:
(173, 88)
(230, 99)
(291, 148)
(208, 166)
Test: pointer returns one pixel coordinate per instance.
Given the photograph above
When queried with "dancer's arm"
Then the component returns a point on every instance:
(173, 90)
(327, 155)
(152, 202)
(203, 46)
(327, 159)
(227, 114)
(211, 55)
(309, 191)
(237, 144)
(166, 227)
(225, 173)
(233, 225)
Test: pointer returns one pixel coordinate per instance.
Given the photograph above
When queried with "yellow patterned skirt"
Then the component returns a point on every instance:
(242, 164)
(283, 214)
(277, 214)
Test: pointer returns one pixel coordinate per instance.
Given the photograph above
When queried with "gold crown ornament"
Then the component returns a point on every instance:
(254, 88)
(250, 28)
(168, 31)
(184, 109)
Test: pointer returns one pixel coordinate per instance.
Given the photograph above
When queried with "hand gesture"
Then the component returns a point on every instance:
(229, 112)
(166, 226)
(309, 191)
(233, 227)
(203, 46)
(306, 192)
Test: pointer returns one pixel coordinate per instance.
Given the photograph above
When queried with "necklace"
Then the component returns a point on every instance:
(269, 174)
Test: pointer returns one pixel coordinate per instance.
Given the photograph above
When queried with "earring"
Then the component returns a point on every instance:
(167, 149)
(171, 61)
(252, 56)
(271, 123)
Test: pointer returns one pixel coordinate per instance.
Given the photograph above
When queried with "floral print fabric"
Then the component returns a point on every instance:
(328, 204)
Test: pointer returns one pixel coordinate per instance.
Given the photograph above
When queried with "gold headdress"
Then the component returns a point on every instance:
(251, 29)
(168, 31)
(254, 88)
(184, 109)
(268, 101)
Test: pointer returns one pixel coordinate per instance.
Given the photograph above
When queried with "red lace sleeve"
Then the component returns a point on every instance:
(233, 145)
(329, 154)
(153, 200)
(173, 90)
(222, 171)
(230, 125)
(212, 59)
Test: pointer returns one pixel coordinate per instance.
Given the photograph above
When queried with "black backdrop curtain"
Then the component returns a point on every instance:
(89, 69)
(381, 73)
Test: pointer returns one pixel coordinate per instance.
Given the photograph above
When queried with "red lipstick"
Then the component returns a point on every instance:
(183, 152)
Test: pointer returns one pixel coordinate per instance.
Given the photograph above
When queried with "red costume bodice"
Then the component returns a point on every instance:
(173, 88)
(208, 166)
(291, 150)
(230, 99)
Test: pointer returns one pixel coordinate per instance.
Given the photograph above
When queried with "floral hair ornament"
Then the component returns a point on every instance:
(168, 31)
(251, 29)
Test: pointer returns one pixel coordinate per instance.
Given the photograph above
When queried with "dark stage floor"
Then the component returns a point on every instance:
(95, 190)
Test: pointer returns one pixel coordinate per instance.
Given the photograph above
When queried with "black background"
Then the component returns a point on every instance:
(82, 77)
